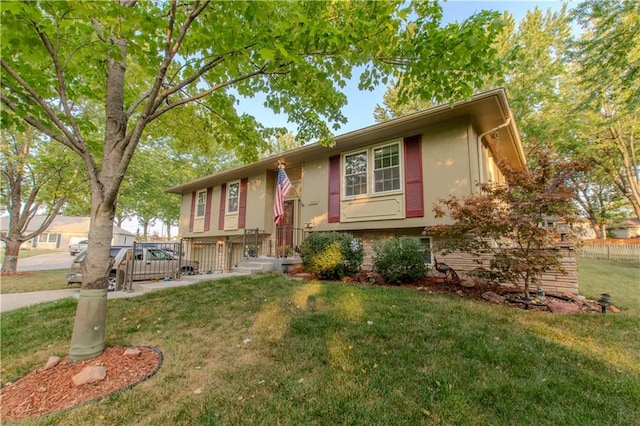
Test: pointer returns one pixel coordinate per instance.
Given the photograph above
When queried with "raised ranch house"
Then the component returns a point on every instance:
(376, 182)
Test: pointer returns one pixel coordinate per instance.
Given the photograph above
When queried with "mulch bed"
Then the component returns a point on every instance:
(46, 391)
(478, 290)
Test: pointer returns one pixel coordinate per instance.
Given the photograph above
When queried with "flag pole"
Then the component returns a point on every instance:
(282, 165)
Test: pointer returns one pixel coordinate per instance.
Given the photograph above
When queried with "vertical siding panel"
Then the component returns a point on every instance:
(413, 193)
(193, 210)
(334, 189)
(242, 207)
(223, 199)
(207, 209)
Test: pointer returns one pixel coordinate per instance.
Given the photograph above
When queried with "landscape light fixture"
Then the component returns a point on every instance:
(604, 301)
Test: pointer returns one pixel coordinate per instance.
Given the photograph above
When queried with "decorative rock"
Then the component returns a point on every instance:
(467, 283)
(90, 374)
(375, 278)
(593, 306)
(493, 297)
(563, 308)
(52, 362)
(132, 352)
(569, 296)
(612, 309)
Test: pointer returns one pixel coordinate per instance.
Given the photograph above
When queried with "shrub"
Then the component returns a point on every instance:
(400, 260)
(332, 255)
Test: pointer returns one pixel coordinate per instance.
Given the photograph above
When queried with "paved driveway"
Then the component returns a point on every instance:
(62, 260)
(45, 262)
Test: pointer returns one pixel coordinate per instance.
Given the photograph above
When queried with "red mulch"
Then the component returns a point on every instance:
(46, 391)
(473, 290)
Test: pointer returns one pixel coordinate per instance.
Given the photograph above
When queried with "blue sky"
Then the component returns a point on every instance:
(359, 111)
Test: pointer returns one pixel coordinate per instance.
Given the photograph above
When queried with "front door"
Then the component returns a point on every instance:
(284, 234)
(288, 223)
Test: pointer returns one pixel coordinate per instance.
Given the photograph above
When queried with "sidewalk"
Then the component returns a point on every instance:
(9, 302)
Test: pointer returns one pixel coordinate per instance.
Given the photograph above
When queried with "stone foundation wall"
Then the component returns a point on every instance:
(553, 282)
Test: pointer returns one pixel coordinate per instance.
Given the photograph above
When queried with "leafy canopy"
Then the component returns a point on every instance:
(300, 54)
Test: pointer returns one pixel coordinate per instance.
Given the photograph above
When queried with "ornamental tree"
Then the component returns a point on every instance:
(35, 181)
(505, 223)
(142, 61)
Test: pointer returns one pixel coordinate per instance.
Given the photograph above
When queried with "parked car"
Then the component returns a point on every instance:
(76, 248)
(173, 247)
(75, 276)
(147, 264)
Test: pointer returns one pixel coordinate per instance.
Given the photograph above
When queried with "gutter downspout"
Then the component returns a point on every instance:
(480, 162)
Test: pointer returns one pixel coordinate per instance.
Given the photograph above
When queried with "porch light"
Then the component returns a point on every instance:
(605, 302)
(563, 229)
(308, 225)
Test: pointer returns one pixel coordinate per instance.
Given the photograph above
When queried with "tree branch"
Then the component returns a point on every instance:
(39, 125)
(61, 84)
(201, 95)
(42, 103)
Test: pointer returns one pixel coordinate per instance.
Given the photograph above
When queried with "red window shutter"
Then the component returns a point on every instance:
(223, 199)
(207, 209)
(413, 193)
(334, 189)
(193, 210)
(242, 207)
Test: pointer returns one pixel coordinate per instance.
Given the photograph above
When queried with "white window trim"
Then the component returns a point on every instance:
(204, 203)
(227, 212)
(370, 171)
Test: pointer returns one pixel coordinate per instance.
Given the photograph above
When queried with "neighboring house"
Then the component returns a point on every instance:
(629, 228)
(375, 182)
(65, 230)
(581, 228)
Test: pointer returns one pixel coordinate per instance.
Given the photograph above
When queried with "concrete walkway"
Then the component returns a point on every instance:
(9, 302)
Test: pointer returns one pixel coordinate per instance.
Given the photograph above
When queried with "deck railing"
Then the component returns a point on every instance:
(288, 241)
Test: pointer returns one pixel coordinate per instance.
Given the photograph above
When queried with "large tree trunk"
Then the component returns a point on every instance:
(597, 228)
(90, 323)
(168, 225)
(87, 340)
(11, 252)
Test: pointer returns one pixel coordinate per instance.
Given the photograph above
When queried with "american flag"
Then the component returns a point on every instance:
(283, 186)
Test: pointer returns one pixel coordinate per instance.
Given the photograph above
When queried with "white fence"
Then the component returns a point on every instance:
(628, 252)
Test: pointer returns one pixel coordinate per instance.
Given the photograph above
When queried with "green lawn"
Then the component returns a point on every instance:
(30, 252)
(269, 350)
(35, 281)
(619, 279)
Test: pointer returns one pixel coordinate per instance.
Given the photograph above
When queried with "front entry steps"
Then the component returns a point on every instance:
(257, 265)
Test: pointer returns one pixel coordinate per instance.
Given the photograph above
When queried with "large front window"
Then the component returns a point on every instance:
(233, 197)
(372, 171)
